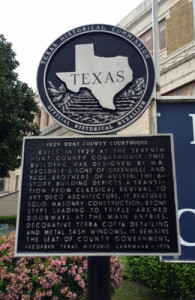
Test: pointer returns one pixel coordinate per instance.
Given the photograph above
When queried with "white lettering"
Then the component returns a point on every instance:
(181, 211)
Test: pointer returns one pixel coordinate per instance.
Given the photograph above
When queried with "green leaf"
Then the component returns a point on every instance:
(17, 109)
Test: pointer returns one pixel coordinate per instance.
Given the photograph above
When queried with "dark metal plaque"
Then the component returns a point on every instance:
(96, 79)
(97, 195)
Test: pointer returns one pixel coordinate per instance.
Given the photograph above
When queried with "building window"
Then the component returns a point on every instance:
(188, 90)
(162, 34)
(193, 89)
(38, 119)
(17, 183)
(148, 40)
(147, 37)
(47, 119)
(1, 185)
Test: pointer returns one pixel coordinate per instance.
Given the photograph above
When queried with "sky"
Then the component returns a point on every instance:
(32, 25)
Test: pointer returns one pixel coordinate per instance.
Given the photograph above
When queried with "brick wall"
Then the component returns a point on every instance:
(180, 29)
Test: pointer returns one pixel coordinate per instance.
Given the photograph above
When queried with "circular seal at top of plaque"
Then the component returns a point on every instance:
(96, 79)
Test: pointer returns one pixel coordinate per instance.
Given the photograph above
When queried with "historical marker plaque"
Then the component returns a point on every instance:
(96, 79)
(97, 195)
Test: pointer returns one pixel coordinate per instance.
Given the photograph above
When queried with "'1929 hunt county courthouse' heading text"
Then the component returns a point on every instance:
(97, 195)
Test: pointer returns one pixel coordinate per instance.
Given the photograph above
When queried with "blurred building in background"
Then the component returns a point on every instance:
(176, 49)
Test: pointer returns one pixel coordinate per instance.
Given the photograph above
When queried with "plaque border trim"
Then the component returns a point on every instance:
(91, 253)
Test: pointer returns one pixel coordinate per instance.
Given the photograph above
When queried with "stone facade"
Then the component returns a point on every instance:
(141, 126)
(177, 58)
(9, 204)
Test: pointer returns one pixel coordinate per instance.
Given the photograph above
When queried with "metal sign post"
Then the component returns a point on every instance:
(90, 94)
(97, 196)
(99, 278)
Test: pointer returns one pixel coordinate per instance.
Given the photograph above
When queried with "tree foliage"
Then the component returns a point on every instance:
(17, 108)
